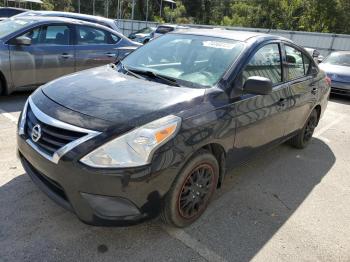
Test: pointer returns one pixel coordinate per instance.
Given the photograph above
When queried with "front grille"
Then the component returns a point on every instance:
(51, 184)
(52, 138)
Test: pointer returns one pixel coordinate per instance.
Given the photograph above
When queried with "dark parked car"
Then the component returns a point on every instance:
(87, 18)
(337, 67)
(6, 12)
(157, 132)
(143, 35)
(35, 50)
(164, 29)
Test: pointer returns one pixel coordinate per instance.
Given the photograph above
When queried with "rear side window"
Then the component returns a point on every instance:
(265, 63)
(93, 36)
(115, 38)
(295, 63)
(164, 29)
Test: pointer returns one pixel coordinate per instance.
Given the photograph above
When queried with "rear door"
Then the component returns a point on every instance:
(50, 56)
(261, 119)
(95, 47)
(303, 81)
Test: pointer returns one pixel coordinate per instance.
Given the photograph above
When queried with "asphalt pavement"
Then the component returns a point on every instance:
(285, 205)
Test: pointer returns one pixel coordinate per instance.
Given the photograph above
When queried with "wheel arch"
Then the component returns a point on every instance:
(3, 84)
(318, 110)
(219, 153)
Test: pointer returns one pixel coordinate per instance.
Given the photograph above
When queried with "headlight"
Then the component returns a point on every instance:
(136, 147)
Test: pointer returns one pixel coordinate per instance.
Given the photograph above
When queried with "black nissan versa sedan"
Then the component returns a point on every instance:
(156, 132)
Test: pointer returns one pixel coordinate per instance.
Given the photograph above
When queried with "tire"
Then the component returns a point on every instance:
(303, 138)
(192, 190)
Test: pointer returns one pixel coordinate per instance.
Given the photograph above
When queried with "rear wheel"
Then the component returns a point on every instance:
(192, 190)
(303, 138)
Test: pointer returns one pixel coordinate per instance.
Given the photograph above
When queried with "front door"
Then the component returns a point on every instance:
(50, 56)
(261, 119)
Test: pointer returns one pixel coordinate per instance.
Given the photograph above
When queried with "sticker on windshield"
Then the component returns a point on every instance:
(217, 44)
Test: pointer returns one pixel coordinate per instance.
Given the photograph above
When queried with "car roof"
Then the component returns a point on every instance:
(70, 14)
(50, 19)
(57, 19)
(228, 34)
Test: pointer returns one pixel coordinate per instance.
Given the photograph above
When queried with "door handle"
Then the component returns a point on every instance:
(66, 56)
(282, 102)
(111, 54)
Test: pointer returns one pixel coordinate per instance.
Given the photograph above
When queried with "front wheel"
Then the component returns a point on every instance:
(303, 138)
(192, 190)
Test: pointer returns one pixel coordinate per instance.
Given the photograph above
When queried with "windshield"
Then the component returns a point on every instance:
(338, 59)
(10, 26)
(201, 60)
(164, 29)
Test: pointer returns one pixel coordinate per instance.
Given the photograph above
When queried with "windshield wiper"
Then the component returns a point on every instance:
(130, 71)
(168, 80)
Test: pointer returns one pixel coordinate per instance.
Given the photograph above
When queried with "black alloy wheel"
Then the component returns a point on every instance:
(192, 190)
(304, 136)
(196, 191)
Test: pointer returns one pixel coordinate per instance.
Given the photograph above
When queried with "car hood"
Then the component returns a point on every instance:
(335, 69)
(106, 94)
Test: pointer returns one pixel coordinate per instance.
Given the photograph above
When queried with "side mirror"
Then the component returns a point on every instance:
(320, 59)
(315, 54)
(22, 40)
(258, 85)
(314, 71)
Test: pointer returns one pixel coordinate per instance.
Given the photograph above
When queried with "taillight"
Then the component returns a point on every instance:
(328, 81)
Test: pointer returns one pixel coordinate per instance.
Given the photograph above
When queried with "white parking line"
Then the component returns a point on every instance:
(8, 116)
(329, 126)
(194, 244)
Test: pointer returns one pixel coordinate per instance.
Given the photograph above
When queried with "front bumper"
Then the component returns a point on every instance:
(341, 88)
(98, 197)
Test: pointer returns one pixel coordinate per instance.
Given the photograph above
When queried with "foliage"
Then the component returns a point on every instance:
(307, 15)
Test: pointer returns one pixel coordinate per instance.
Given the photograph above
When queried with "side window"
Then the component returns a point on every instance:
(294, 63)
(55, 35)
(92, 36)
(34, 35)
(265, 63)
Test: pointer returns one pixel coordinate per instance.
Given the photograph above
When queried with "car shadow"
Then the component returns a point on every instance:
(256, 199)
(345, 100)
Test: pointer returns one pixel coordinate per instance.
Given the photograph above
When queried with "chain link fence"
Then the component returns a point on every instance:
(323, 42)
